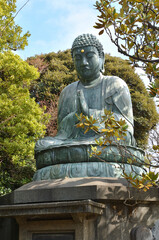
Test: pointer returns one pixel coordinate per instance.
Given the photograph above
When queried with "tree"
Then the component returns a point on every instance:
(133, 27)
(56, 72)
(11, 37)
(22, 122)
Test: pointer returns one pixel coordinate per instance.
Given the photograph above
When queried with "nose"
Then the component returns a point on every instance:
(84, 61)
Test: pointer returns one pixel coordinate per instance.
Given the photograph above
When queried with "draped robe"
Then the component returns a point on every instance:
(109, 93)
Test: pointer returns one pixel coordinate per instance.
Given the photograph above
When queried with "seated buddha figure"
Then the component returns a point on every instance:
(90, 95)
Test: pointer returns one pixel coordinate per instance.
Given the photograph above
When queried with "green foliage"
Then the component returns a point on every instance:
(22, 121)
(147, 180)
(51, 109)
(56, 72)
(132, 26)
(10, 33)
(153, 89)
(114, 131)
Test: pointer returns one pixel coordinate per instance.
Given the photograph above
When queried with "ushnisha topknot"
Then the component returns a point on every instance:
(87, 40)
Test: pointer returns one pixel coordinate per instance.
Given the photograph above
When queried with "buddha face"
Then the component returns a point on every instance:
(87, 63)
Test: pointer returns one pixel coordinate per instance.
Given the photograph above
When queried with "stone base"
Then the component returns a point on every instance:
(88, 208)
(89, 169)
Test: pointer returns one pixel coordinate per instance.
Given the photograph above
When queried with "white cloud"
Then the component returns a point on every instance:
(55, 24)
(78, 18)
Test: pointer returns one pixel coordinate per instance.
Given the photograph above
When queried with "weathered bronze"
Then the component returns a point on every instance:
(90, 95)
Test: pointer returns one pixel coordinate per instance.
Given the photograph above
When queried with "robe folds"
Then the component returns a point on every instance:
(109, 93)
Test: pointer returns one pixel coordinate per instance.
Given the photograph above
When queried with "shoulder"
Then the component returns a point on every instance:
(70, 88)
(114, 86)
(114, 81)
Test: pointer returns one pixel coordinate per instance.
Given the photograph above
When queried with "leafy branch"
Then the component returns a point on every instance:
(5, 26)
(113, 133)
(132, 26)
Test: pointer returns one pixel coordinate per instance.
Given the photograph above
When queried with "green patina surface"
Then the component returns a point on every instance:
(93, 93)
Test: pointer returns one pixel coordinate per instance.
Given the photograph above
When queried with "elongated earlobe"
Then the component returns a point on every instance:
(102, 60)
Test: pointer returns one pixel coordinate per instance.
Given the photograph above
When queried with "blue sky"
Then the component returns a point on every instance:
(54, 24)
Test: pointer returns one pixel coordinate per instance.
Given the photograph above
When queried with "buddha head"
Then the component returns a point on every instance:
(88, 56)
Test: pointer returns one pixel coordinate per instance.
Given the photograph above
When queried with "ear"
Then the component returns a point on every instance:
(102, 59)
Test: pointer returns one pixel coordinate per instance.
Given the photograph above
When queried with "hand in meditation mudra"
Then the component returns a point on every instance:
(68, 153)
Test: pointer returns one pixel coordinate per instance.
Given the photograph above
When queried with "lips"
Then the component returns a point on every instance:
(85, 68)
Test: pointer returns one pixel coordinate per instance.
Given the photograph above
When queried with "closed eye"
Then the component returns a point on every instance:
(77, 57)
(90, 55)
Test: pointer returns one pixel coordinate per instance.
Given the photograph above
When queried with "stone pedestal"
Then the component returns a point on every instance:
(79, 208)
